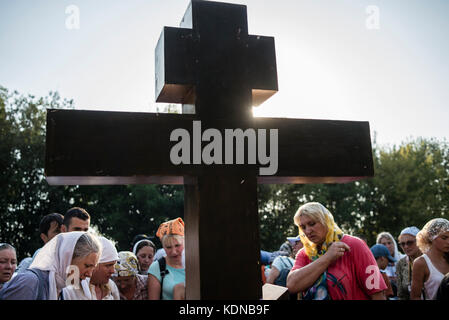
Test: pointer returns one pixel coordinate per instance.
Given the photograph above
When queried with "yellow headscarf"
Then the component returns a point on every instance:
(127, 264)
(334, 233)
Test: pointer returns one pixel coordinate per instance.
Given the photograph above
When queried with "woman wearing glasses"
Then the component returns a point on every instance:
(407, 241)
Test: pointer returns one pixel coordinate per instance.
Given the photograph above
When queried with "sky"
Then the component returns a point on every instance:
(386, 62)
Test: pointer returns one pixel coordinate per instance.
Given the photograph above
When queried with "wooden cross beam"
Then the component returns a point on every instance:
(214, 65)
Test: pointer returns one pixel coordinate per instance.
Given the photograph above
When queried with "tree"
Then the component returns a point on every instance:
(119, 212)
(410, 187)
(23, 195)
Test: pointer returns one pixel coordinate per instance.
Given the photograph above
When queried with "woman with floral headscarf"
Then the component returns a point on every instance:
(131, 284)
(332, 265)
(430, 268)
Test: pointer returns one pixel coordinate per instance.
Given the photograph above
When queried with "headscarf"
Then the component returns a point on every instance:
(172, 227)
(109, 252)
(436, 227)
(320, 214)
(430, 232)
(143, 240)
(334, 233)
(397, 255)
(55, 257)
(6, 246)
(127, 264)
(413, 231)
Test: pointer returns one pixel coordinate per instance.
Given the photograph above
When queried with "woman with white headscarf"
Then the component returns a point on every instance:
(65, 259)
(99, 286)
(404, 267)
(430, 268)
(387, 240)
(144, 250)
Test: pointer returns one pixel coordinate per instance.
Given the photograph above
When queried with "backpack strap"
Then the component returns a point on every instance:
(40, 292)
(163, 271)
(290, 263)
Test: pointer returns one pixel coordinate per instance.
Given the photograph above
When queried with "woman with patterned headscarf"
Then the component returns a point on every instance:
(430, 268)
(332, 265)
(131, 284)
(170, 283)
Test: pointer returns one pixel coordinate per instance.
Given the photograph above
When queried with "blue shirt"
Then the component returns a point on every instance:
(25, 286)
(172, 278)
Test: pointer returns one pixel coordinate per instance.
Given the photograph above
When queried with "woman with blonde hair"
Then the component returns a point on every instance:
(388, 240)
(167, 275)
(430, 268)
(332, 265)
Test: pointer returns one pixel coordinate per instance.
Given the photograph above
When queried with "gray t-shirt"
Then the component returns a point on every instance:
(283, 262)
(25, 286)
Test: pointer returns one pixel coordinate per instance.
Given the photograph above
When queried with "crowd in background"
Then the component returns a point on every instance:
(322, 263)
(75, 263)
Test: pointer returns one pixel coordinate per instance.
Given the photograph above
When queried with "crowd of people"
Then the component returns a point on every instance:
(332, 265)
(75, 263)
(321, 263)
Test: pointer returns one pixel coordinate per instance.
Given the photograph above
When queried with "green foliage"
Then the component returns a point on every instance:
(410, 187)
(23, 192)
(411, 184)
(119, 212)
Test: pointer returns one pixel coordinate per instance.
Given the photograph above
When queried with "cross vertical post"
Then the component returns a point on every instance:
(211, 64)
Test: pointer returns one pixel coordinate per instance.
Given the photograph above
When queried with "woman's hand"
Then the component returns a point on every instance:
(336, 250)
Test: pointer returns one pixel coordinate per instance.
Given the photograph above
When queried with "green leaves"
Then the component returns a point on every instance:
(410, 187)
(119, 212)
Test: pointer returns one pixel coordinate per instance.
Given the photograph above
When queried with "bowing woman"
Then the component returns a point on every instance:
(131, 284)
(66, 259)
(332, 265)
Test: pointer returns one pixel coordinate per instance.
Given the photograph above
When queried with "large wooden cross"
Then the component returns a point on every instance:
(212, 65)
